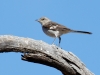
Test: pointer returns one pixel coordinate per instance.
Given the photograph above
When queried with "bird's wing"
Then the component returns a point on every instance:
(55, 26)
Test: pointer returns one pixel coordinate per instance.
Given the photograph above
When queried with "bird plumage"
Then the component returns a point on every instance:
(55, 30)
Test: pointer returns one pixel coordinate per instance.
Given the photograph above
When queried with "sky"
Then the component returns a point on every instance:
(17, 17)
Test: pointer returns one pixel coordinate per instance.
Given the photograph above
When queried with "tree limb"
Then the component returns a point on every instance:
(40, 52)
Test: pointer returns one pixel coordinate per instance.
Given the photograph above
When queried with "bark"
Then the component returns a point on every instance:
(43, 53)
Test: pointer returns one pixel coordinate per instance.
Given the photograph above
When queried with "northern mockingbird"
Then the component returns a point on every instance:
(55, 30)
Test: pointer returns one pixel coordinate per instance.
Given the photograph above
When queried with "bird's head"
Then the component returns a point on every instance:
(43, 20)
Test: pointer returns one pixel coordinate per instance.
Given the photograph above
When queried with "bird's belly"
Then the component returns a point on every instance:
(51, 33)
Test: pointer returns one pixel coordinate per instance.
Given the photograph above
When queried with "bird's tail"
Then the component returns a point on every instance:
(81, 32)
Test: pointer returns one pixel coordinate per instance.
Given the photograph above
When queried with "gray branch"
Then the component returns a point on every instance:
(43, 53)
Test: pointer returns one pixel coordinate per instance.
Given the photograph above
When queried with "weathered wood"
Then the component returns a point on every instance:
(43, 53)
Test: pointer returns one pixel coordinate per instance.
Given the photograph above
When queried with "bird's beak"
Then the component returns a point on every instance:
(37, 20)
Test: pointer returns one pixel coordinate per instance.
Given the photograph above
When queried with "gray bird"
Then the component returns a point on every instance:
(55, 30)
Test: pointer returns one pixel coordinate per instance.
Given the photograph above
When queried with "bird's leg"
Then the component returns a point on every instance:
(54, 40)
(59, 41)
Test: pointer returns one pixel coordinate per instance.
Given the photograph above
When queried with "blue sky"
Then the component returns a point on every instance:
(17, 17)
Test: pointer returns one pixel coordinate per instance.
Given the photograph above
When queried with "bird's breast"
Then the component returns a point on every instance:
(50, 33)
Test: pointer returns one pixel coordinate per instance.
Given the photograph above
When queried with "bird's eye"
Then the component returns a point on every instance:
(42, 19)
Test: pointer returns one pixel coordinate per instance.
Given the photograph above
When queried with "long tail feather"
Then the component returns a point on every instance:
(81, 32)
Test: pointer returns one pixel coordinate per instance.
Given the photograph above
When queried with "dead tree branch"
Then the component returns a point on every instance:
(40, 52)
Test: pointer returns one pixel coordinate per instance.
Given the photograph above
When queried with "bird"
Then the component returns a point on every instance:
(56, 30)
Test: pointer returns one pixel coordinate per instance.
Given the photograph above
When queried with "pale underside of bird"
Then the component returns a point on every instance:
(55, 30)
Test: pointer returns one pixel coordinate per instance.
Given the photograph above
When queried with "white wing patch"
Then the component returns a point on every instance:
(53, 27)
